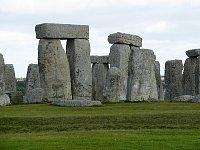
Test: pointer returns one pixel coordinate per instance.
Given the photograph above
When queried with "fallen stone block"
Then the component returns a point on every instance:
(4, 100)
(196, 99)
(76, 103)
(183, 98)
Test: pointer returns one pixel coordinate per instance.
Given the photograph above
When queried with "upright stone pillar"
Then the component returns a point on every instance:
(159, 81)
(142, 80)
(32, 77)
(33, 91)
(99, 70)
(191, 73)
(2, 69)
(9, 78)
(78, 52)
(120, 54)
(54, 70)
(112, 89)
(173, 79)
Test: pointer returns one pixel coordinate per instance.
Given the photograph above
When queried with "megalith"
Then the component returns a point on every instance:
(142, 81)
(9, 78)
(159, 81)
(78, 53)
(2, 69)
(191, 73)
(173, 79)
(33, 91)
(61, 31)
(120, 54)
(112, 89)
(54, 70)
(99, 70)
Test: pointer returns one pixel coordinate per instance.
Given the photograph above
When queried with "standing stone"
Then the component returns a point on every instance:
(98, 80)
(2, 69)
(191, 76)
(34, 95)
(112, 90)
(119, 57)
(78, 52)
(173, 79)
(32, 77)
(9, 78)
(159, 81)
(54, 70)
(142, 80)
(33, 84)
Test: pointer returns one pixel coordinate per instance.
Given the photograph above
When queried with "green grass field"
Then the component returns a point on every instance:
(155, 125)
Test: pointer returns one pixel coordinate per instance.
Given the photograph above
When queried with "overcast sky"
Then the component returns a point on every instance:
(169, 27)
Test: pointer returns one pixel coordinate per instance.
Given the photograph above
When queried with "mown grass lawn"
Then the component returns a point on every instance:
(155, 125)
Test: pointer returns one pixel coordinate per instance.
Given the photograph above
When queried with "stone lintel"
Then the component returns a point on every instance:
(61, 31)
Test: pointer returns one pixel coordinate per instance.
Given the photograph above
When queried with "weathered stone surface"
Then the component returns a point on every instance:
(193, 53)
(76, 103)
(16, 97)
(99, 59)
(183, 98)
(191, 76)
(34, 95)
(112, 89)
(123, 38)
(119, 57)
(61, 31)
(4, 100)
(9, 78)
(98, 80)
(78, 52)
(173, 79)
(196, 99)
(2, 69)
(159, 81)
(32, 77)
(142, 81)
(54, 70)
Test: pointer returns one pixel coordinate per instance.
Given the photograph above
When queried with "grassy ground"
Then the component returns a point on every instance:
(156, 125)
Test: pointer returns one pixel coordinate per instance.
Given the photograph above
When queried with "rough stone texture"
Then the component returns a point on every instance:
(123, 38)
(78, 52)
(193, 53)
(159, 81)
(2, 69)
(99, 59)
(16, 97)
(112, 89)
(142, 81)
(191, 76)
(4, 100)
(9, 78)
(54, 70)
(98, 80)
(196, 99)
(34, 95)
(61, 31)
(119, 57)
(32, 77)
(76, 103)
(183, 98)
(173, 79)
